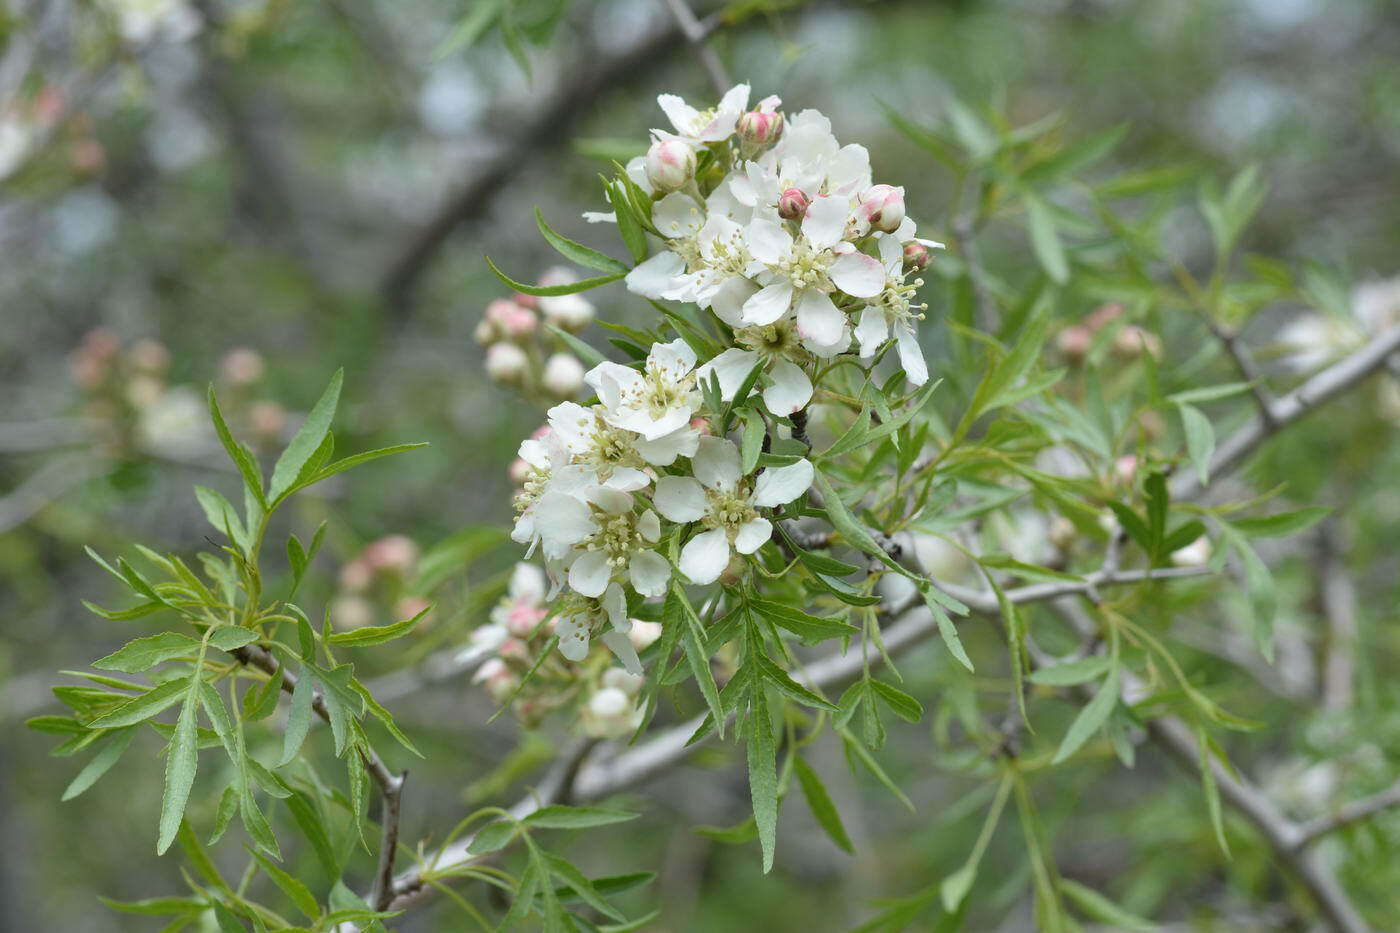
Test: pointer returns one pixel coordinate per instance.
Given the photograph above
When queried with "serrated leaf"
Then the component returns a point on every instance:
(144, 653)
(1091, 717)
(242, 457)
(1045, 239)
(298, 720)
(377, 634)
(1070, 673)
(493, 837)
(903, 705)
(763, 779)
(111, 750)
(181, 763)
(1097, 907)
(148, 704)
(298, 893)
(820, 803)
(1282, 524)
(307, 440)
(232, 637)
(577, 252)
(557, 816)
(1200, 439)
(550, 291)
(811, 629)
(947, 630)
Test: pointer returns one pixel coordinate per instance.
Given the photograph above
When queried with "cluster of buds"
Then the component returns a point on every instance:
(522, 354)
(519, 631)
(381, 575)
(1130, 341)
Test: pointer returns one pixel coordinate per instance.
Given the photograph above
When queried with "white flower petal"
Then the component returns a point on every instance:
(665, 449)
(649, 527)
(818, 319)
(527, 583)
(590, 574)
(649, 572)
(716, 463)
(705, 556)
(857, 274)
(911, 355)
(561, 518)
(769, 303)
(769, 243)
(677, 215)
(573, 636)
(825, 222)
(627, 479)
(790, 391)
(621, 647)
(780, 485)
(679, 498)
(728, 302)
(871, 331)
(736, 99)
(682, 116)
(732, 367)
(615, 605)
(677, 357)
(656, 275)
(752, 534)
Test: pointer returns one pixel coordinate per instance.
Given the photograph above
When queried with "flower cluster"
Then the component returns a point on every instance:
(521, 354)
(779, 232)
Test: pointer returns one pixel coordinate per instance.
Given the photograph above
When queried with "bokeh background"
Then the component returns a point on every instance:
(256, 192)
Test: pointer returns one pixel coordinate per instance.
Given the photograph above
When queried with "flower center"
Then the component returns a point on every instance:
(729, 510)
(805, 267)
(617, 536)
(897, 299)
(536, 481)
(610, 449)
(778, 340)
(661, 390)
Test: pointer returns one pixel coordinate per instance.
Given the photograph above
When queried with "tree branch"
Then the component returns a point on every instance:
(577, 96)
(698, 34)
(1347, 814)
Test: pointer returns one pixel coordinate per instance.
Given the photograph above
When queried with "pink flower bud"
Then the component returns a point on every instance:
(522, 617)
(1103, 314)
(916, 256)
(355, 576)
(506, 363)
(670, 164)
(793, 204)
(391, 554)
(513, 649)
(410, 606)
(701, 424)
(1063, 534)
(1126, 469)
(242, 366)
(510, 320)
(351, 612)
(518, 471)
(1074, 342)
(267, 420)
(529, 301)
(883, 206)
(1132, 341)
(563, 375)
(760, 127)
(150, 356)
(644, 633)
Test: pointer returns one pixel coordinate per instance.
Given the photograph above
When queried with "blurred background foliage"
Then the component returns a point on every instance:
(256, 192)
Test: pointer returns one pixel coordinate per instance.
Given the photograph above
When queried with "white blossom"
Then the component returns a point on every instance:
(727, 504)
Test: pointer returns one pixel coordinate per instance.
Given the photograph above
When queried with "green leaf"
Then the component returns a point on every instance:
(856, 752)
(586, 353)
(111, 750)
(629, 226)
(1100, 908)
(298, 893)
(298, 720)
(1200, 439)
(577, 252)
(181, 762)
(1045, 240)
(307, 441)
(1208, 393)
(763, 778)
(904, 706)
(811, 629)
(852, 438)
(693, 642)
(377, 634)
(550, 291)
(1217, 817)
(222, 515)
(1076, 158)
(144, 653)
(853, 531)
(819, 801)
(780, 679)
(148, 704)
(953, 889)
(1090, 718)
(348, 463)
(1070, 673)
(493, 837)
(557, 816)
(1282, 524)
(157, 906)
(232, 637)
(242, 457)
(946, 629)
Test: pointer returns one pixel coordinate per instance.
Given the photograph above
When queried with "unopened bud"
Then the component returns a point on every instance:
(883, 206)
(1074, 342)
(355, 576)
(411, 606)
(242, 366)
(1103, 314)
(143, 390)
(670, 164)
(351, 612)
(519, 471)
(916, 256)
(1063, 534)
(1132, 341)
(506, 363)
(567, 312)
(395, 554)
(563, 375)
(760, 127)
(267, 420)
(793, 204)
(510, 320)
(150, 356)
(513, 649)
(1126, 469)
(625, 681)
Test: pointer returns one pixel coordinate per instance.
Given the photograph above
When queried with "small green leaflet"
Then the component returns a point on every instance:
(307, 441)
(577, 252)
(549, 291)
(1091, 717)
(819, 801)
